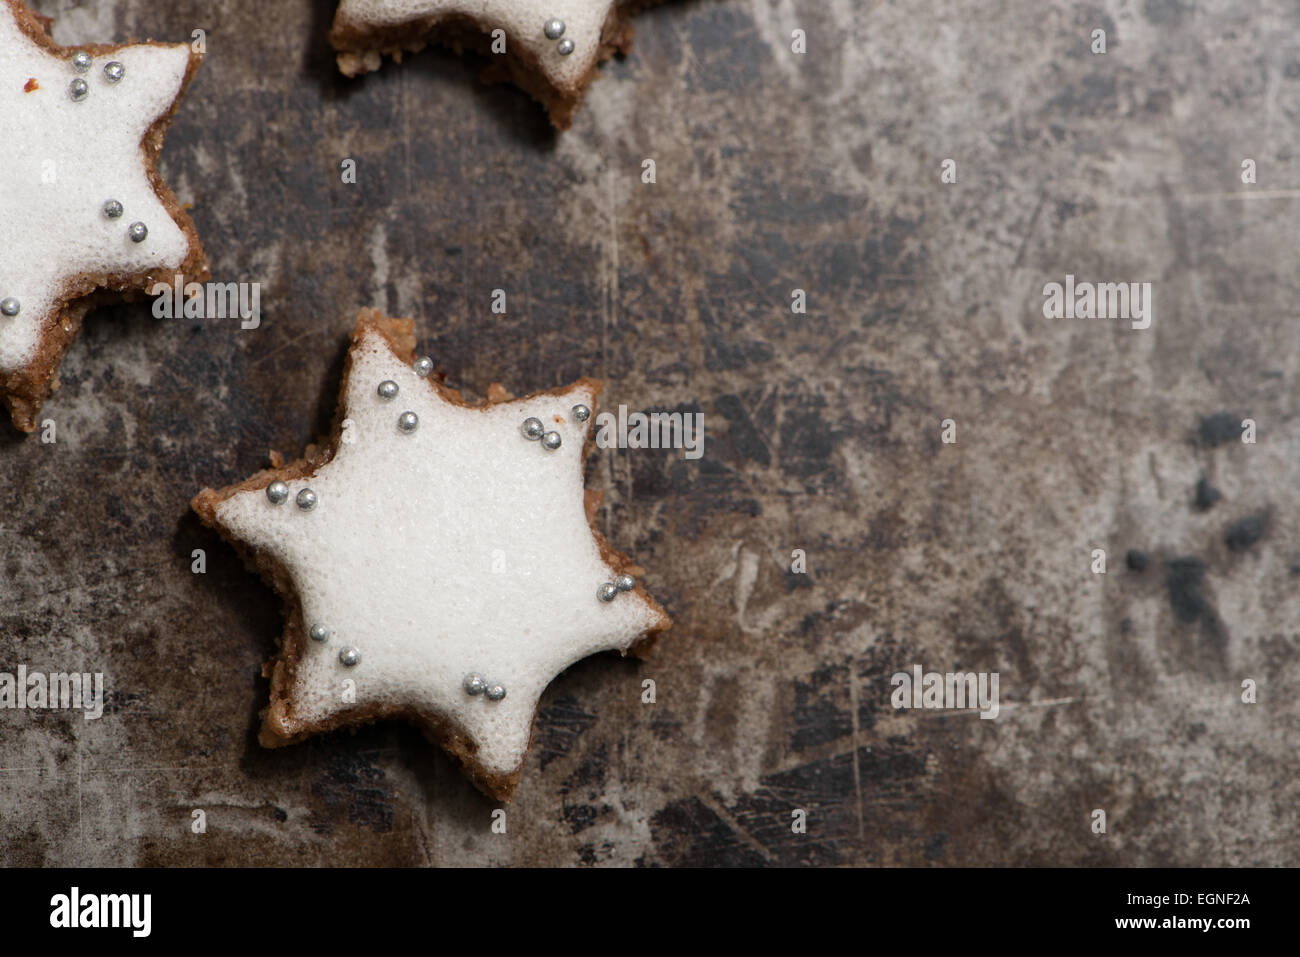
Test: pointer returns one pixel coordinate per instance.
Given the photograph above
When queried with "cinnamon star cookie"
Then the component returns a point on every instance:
(84, 215)
(437, 560)
(549, 48)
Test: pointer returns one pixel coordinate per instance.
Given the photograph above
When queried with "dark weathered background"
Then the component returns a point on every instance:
(775, 171)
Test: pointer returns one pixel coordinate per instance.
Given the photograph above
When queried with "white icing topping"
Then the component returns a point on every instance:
(462, 547)
(63, 161)
(522, 21)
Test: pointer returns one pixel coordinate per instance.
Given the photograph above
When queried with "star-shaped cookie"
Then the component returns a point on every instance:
(436, 559)
(552, 47)
(84, 215)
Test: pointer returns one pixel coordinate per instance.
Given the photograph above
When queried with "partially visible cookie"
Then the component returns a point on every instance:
(84, 215)
(436, 559)
(553, 47)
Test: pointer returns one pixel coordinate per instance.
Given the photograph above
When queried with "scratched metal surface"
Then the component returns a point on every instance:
(1118, 691)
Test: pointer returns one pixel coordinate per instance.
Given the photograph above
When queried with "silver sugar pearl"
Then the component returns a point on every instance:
(408, 421)
(10, 306)
(533, 428)
(581, 413)
(319, 633)
(495, 692)
(306, 500)
(474, 685)
(552, 441)
(564, 47)
(113, 209)
(608, 591)
(138, 232)
(81, 61)
(423, 366)
(78, 90)
(388, 389)
(553, 28)
(277, 493)
(350, 657)
(114, 71)
(624, 582)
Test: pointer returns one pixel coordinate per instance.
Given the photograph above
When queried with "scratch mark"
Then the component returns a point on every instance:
(717, 808)
(857, 773)
(1029, 230)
